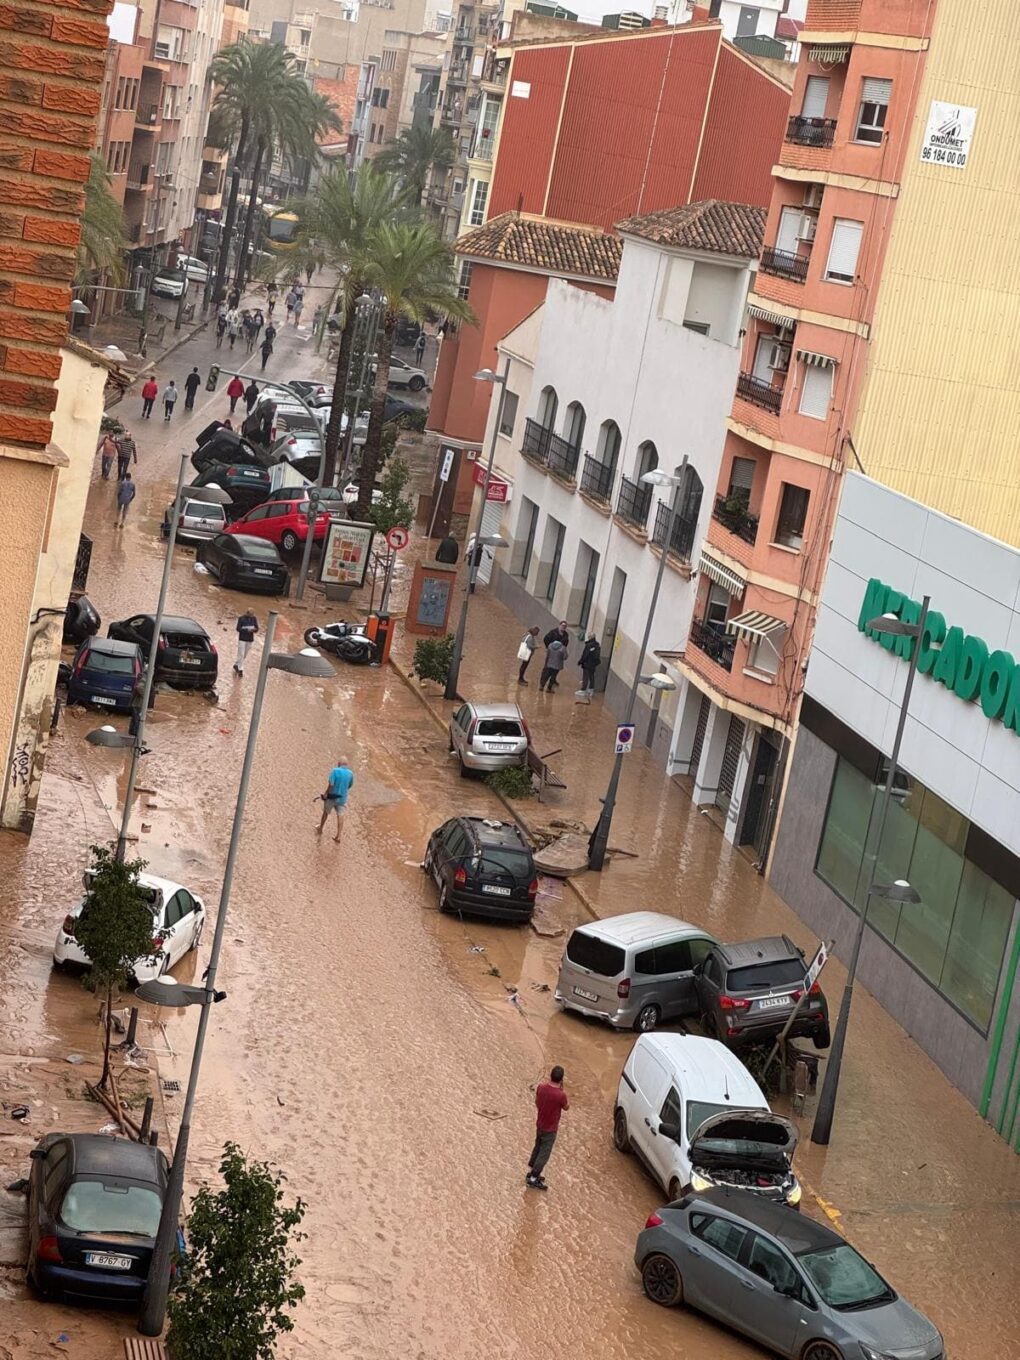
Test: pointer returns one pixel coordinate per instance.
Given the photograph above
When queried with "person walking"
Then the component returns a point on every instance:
(550, 1102)
(419, 347)
(247, 627)
(126, 491)
(235, 391)
(127, 451)
(270, 299)
(591, 659)
(170, 395)
(221, 327)
(233, 325)
(107, 451)
(150, 391)
(555, 660)
(248, 326)
(257, 321)
(251, 395)
(334, 800)
(529, 642)
(191, 385)
(267, 349)
(289, 301)
(299, 304)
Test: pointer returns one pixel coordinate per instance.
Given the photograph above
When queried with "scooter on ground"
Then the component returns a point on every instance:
(348, 641)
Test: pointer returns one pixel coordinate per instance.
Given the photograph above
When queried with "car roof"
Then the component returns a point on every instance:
(495, 710)
(769, 949)
(494, 832)
(797, 1232)
(176, 624)
(111, 646)
(710, 1071)
(638, 926)
(99, 1154)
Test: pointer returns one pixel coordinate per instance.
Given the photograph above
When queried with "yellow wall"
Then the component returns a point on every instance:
(940, 410)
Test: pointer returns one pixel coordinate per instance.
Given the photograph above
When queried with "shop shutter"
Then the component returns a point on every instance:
(699, 733)
(876, 91)
(843, 250)
(816, 96)
(492, 518)
(730, 760)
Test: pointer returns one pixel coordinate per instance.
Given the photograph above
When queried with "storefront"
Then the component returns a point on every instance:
(946, 967)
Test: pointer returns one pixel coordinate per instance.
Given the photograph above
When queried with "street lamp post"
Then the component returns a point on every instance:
(453, 675)
(369, 312)
(599, 842)
(153, 1311)
(822, 1128)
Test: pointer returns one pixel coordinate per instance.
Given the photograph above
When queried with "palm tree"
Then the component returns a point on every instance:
(103, 240)
(412, 268)
(415, 152)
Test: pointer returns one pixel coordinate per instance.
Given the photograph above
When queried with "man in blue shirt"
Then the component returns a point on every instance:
(341, 777)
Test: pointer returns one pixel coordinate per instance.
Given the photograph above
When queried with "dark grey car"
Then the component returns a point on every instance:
(748, 991)
(775, 1275)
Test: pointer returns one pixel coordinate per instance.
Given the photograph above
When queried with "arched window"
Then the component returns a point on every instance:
(548, 403)
(648, 458)
(685, 530)
(609, 444)
(574, 431)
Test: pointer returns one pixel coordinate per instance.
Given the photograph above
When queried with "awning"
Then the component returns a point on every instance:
(816, 360)
(787, 323)
(754, 625)
(830, 52)
(721, 575)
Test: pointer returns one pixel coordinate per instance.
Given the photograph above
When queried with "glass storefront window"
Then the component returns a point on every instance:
(935, 870)
(842, 849)
(977, 943)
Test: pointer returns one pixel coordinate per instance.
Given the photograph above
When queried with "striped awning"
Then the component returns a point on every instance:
(816, 360)
(773, 318)
(754, 625)
(721, 574)
(830, 52)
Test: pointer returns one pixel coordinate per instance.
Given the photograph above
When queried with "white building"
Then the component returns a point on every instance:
(599, 392)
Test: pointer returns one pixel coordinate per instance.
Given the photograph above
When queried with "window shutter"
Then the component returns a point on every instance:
(816, 94)
(876, 91)
(816, 392)
(843, 249)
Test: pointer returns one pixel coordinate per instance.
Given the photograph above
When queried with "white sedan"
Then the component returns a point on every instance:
(406, 375)
(196, 270)
(178, 917)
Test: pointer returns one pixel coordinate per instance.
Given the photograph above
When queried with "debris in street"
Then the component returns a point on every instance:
(280, 1100)
(18, 1187)
(74, 1058)
(477, 949)
(494, 972)
(20, 1113)
(490, 1114)
(540, 987)
(146, 826)
(113, 1128)
(563, 857)
(200, 569)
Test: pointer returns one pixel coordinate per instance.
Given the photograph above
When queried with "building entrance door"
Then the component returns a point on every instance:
(755, 828)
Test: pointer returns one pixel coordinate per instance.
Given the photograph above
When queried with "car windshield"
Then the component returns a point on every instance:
(195, 641)
(599, 956)
(105, 1207)
(110, 665)
(700, 1110)
(844, 1279)
(762, 976)
(259, 552)
(495, 859)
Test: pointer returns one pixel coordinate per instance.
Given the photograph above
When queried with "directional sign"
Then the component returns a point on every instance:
(397, 538)
(817, 964)
(444, 471)
(624, 739)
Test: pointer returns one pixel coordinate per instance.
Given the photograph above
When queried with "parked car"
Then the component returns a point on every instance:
(93, 1212)
(194, 269)
(633, 971)
(314, 391)
(696, 1117)
(483, 867)
(394, 407)
(243, 562)
(230, 449)
(789, 1282)
(186, 656)
(246, 486)
(406, 375)
(178, 919)
(197, 520)
(284, 523)
(81, 620)
(747, 992)
(105, 673)
(329, 497)
(170, 283)
(489, 737)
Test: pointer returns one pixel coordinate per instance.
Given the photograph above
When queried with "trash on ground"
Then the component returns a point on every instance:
(200, 569)
(477, 949)
(19, 1186)
(112, 1129)
(490, 1114)
(74, 1058)
(20, 1113)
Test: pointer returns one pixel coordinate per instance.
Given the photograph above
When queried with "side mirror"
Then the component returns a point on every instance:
(669, 1130)
(788, 1291)
(38, 1154)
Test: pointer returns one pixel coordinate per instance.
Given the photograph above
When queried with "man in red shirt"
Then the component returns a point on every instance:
(550, 1101)
(150, 391)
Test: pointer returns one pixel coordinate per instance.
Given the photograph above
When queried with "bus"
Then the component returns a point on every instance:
(280, 227)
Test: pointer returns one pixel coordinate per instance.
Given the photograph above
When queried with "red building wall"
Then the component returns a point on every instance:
(744, 130)
(528, 136)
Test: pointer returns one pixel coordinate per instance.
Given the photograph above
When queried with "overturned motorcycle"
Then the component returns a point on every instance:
(348, 641)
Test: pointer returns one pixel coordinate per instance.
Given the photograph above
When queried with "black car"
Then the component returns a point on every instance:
(246, 486)
(483, 867)
(186, 657)
(245, 563)
(229, 448)
(747, 992)
(394, 407)
(81, 620)
(93, 1211)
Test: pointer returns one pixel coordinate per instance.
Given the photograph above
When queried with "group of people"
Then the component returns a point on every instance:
(556, 643)
(295, 301)
(150, 391)
(121, 447)
(236, 390)
(234, 322)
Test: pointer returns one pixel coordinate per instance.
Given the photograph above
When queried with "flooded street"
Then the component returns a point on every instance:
(374, 1049)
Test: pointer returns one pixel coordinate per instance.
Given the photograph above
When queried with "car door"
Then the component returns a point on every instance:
(172, 929)
(775, 1300)
(254, 522)
(458, 727)
(452, 849)
(669, 1162)
(708, 984)
(187, 925)
(675, 961)
(652, 1081)
(712, 1271)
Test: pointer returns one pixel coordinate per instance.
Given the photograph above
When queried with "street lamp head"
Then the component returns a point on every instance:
(489, 375)
(78, 308)
(889, 623)
(660, 681)
(108, 736)
(492, 541)
(308, 662)
(115, 353)
(167, 991)
(365, 300)
(898, 891)
(657, 477)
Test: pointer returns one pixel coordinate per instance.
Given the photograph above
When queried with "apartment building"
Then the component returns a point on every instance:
(405, 91)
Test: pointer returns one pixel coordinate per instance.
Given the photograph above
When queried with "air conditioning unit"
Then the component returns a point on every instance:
(162, 51)
(779, 358)
(813, 196)
(808, 228)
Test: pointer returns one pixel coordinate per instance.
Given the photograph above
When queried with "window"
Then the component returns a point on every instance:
(701, 327)
(173, 912)
(726, 1237)
(91, 1207)
(816, 392)
(56, 1161)
(598, 956)
(769, 1264)
(610, 440)
(528, 523)
(574, 431)
(792, 515)
(716, 607)
(672, 1111)
(508, 413)
(384, 97)
(464, 281)
(741, 480)
(548, 404)
(648, 458)
(844, 247)
(673, 958)
(478, 202)
(791, 221)
(560, 532)
(763, 655)
(816, 97)
(700, 950)
(874, 106)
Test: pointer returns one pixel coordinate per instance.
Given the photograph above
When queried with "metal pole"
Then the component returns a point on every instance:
(367, 355)
(153, 1311)
(822, 1128)
(599, 842)
(150, 667)
(453, 675)
(387, 581)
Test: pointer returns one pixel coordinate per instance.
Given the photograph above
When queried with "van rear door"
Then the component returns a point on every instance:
(590, 972)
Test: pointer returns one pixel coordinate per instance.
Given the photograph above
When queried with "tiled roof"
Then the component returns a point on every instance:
(725, 228)
(536, 243)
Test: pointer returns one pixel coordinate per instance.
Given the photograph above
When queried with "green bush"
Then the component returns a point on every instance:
(754, 1059)
(432, 658)
(412, 420)
(513, 782)
(110, 425)
(393, 508)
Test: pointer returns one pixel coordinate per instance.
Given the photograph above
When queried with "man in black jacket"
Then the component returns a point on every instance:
(559, 634)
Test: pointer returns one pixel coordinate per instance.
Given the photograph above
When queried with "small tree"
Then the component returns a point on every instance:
(114, 929)
(237, 1279)
(393, 508)
(432, 657)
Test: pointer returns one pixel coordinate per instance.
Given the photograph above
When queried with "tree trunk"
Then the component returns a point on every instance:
(242, 271)
(106, 1039)
(228, 225)
(340, 385)
(370, 454)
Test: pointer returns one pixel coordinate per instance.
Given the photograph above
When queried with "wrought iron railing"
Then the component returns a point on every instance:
(787, 266)
(597, 479)
(711, 640)
(563, 457)
(535, 444)
(738, 521)
(681, 542)
(811, 131)
(759, 393)
(634, 502)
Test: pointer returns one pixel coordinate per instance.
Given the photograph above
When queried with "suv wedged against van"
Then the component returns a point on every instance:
(748, 991)
(633, 971)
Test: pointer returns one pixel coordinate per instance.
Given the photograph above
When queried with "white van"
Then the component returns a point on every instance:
(696, 1117)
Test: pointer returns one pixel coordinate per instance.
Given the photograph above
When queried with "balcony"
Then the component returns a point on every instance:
(733, 517)
(458, 74)
(483, 148)
(811, 131)
(759, 393)
(785, 265)
(634, 502)
(563, 457)
(209, 184)
(535, 444)
(597, 479)
(147, 117)
(681, 543)
(716, 645)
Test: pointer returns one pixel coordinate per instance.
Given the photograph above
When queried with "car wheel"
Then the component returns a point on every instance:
(416, 384)
(675, 1191)
(198, 934)
(621, 1138)
(428, 863)
(820, 1350)
(662, 1283)
(224, 575)
(45, 1295)
(289, 541)
(444, 893)
(311, 637)
(821, 1037)
(465, 773)
(647, 1018)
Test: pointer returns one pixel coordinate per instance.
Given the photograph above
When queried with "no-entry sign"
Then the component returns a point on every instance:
(624, 739)
(397, 538)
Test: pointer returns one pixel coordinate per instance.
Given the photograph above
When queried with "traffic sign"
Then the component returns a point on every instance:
(624, 739)
(397, 538)
(817, 964)
(444, 471)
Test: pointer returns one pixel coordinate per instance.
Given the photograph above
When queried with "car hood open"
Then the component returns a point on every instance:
(744, 1138)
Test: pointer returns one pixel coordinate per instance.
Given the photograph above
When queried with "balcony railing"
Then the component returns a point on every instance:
(738, 521)
(535, 444)
(597, 479)
(759, 393)
(713, 642)
(784, 264)
(634, 502)
(146, 115)
(483, 148)
(681, 542)
(811, 131)
(563, 457)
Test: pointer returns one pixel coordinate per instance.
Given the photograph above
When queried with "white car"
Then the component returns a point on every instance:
(350, 494)
(178, 918)
(406, 375)
(170, 283)
(196, 270)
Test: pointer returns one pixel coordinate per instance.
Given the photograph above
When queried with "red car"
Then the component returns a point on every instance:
(284, 523)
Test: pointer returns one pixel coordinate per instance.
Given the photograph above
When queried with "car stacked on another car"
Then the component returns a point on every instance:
(105, 673)
(247, 486)
(81, 620)
(283, 522)
(483, 867)
(197, 520)
(230, 449)
(489, 737)
(186, 657)
(178, 919)
(244, 562)
(747, 992)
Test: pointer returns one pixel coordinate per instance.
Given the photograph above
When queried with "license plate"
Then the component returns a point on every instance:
(768, 1003)
(588, 996)
(262, 571)
(496, 746)
(108, 1262)
(492, 888)
(99, 699)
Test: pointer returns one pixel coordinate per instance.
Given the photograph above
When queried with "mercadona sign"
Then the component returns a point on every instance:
(948, 655)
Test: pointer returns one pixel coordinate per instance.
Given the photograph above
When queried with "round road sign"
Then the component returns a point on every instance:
(397, 538)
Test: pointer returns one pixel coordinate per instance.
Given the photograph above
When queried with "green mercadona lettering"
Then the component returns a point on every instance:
(958, 660)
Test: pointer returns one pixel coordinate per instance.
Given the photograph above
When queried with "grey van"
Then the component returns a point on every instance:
(633, 971)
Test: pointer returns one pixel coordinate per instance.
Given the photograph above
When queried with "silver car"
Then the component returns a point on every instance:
(198, 520)
(792, 1284)
(488, 737)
